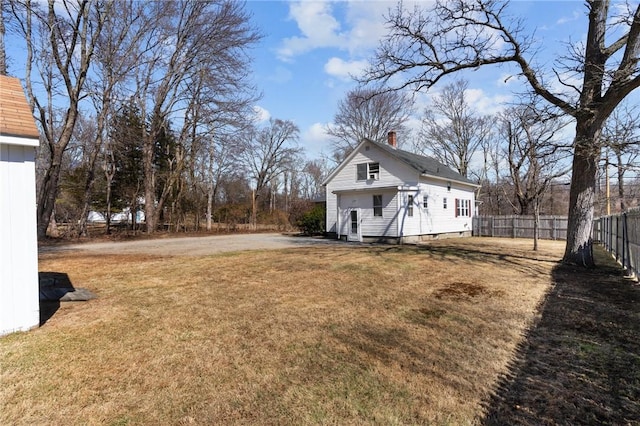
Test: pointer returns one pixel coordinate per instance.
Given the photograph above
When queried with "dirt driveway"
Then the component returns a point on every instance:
(194, 246)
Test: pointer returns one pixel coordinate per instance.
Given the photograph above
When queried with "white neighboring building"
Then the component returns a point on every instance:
(381, 193)
(19, 292)
(124, 216)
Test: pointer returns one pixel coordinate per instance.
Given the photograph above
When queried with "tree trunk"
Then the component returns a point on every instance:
(81, 229)
(53, 225)
(536, 224)
(254, 212)
(49, 190)
(209, 208)
(149, 184)
(108, 217)
(579, 249)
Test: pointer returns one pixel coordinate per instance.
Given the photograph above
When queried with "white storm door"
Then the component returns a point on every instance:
(354, 226)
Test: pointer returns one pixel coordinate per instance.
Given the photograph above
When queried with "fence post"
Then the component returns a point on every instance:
(618, 238)
(493, 226)
(625, 241)
(610, 219)
(632, 271)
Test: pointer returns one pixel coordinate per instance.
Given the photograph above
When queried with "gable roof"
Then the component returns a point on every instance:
(15, 113)
(422, 164)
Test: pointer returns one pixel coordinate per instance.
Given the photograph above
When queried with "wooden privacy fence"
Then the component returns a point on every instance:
(550, 227)
(620, 235)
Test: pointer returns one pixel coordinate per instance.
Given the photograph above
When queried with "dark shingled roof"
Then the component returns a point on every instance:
(424, 165)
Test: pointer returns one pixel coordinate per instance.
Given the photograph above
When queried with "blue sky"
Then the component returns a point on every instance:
(303, 63)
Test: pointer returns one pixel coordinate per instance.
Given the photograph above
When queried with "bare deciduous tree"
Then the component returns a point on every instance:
(452, 131)
(621, 135)
(186, 35)
(268, 153)
(62, 48)
(535, 156)
(116, 56)
(3, 52)
(365, 113)
(423, 46)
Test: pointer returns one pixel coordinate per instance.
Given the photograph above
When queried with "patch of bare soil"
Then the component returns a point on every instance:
(580, 364)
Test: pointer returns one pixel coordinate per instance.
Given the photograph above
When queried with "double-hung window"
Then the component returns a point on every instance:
(410, 205)
(463, 208)
(377, 205)
(368, 171)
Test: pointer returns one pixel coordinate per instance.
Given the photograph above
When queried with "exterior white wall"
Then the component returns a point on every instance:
(19, 292)
(370, 225)
(395, 221)
(435, 218)
(392, 174)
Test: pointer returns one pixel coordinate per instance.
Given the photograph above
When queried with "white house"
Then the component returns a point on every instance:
(381, 193)
(19, 298)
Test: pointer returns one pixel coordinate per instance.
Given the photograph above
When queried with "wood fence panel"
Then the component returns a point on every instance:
(550, 227)
(620, 236)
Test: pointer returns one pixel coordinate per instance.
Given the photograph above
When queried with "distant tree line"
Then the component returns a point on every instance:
(149, 106)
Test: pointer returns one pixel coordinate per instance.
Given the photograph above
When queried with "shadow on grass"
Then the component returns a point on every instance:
(580, 363)
(53, 287)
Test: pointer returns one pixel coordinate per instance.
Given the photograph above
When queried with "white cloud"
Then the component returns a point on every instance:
(485, 104)
(567, 19)
(354, 26)
(315, 140)
(344, 70)
(262, 114)
(317, 25)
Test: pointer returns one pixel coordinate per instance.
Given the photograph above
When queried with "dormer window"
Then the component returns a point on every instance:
(368, 171)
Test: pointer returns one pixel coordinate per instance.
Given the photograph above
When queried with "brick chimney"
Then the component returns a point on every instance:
(392, 139)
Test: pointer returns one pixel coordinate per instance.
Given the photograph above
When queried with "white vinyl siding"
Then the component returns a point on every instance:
(370, 225)
(436, 218)
(395, 183)
(19, 304)
(391, 173)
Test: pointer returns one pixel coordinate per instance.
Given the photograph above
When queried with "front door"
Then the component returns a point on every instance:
(354, 225)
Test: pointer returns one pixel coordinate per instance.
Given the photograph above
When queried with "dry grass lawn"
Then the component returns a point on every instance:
(315, 335)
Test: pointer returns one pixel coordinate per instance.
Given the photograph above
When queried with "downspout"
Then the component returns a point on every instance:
(338, 225)
(398, 221)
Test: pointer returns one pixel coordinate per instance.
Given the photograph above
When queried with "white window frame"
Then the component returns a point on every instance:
(372, 171)
(463, 207)
(377, 207)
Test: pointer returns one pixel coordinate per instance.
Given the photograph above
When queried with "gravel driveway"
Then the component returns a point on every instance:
(194, 246)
